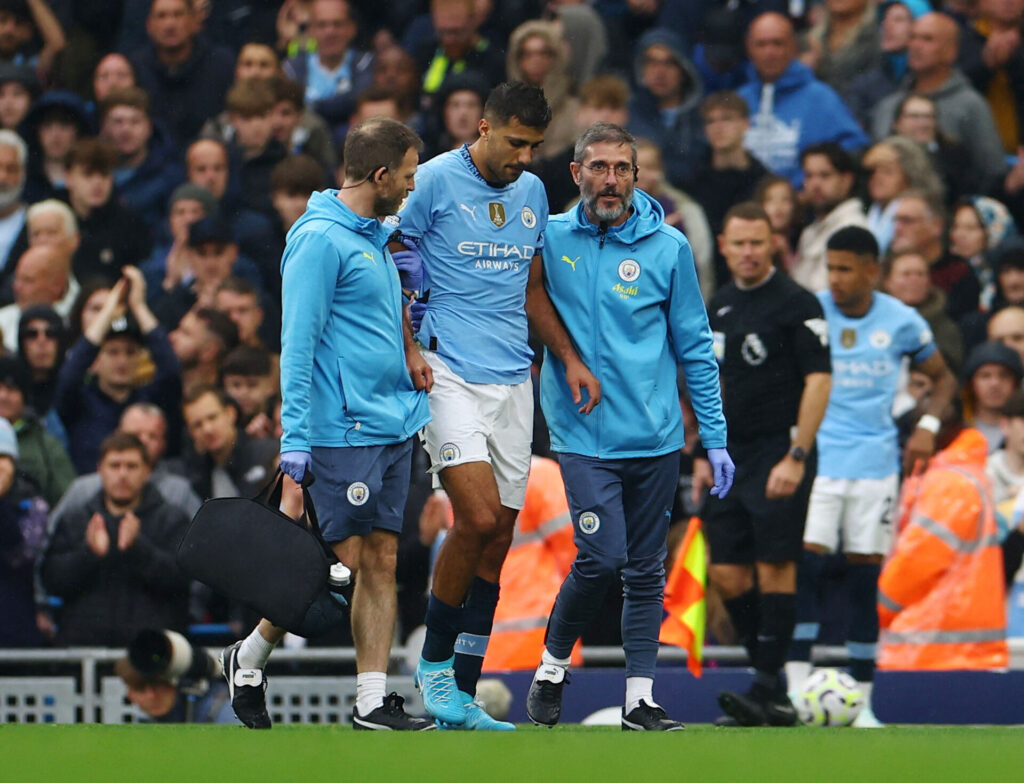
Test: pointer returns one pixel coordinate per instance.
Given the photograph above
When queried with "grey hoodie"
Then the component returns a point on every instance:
(963, 114)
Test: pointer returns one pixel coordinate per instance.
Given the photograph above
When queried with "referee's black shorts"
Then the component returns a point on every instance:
(746, 527)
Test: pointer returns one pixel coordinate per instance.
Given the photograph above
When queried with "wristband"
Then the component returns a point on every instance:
(930, 423)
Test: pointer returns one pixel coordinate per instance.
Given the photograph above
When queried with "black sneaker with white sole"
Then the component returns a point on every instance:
(247, 689)
(544, 701)
(649, 717)
(390, 716)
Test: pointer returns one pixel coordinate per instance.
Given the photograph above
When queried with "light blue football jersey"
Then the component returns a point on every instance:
(477, 242)
(857, 438)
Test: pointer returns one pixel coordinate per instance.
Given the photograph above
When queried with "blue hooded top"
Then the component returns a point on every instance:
(344, 380)
(804, 111)
(630, 301)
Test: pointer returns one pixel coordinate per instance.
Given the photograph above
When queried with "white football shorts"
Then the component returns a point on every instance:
(480, 422)
(858, 513)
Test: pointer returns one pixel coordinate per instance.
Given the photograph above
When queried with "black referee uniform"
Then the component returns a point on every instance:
(767, 339)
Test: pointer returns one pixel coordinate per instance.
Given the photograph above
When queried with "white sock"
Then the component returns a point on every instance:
(550, 660)
(638, 688)
(255, 651)
(866, 688)
(551, 669)
(370, 690)
(797, 673)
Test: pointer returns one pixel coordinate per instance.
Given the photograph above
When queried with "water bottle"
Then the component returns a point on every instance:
(338, 580)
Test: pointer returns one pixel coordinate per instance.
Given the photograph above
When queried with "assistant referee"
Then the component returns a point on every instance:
(771, 342)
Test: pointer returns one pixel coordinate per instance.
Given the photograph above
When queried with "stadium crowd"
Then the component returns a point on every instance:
(155, 153)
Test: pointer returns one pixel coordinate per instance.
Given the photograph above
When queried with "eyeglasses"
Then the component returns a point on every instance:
(50, 333)
(600, 168)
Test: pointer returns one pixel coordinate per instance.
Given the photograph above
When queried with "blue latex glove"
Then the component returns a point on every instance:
(410, 266)
(724, 470)
(296, 463)
(416, 311)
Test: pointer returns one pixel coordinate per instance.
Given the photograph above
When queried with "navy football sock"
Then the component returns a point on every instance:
(443, 621)
(862, 633)
(471, 644)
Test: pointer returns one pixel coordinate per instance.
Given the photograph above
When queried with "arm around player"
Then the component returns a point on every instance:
(549, 327)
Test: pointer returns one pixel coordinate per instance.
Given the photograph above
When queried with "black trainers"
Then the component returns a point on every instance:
(247, 689)
(726, 722)
(753, 709)
(544, 701)
(390, 716)
(648, 717)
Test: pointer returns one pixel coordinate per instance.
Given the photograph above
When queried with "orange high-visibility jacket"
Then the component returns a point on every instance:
(941, 600)
(540, 557)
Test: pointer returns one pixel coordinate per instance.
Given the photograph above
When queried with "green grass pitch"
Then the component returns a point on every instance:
(702, 754)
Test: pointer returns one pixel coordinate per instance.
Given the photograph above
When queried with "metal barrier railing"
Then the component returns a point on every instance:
(81, 697)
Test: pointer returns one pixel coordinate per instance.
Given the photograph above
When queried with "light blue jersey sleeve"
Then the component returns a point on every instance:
(692, 344)
(417, 214)
(309, 272)
(915, 338)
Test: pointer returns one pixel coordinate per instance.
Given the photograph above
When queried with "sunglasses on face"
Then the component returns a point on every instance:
(50, 333)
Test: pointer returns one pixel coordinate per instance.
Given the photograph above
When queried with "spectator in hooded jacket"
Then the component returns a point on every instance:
(22, 538)
(666, 105)
(790, 109)
(41, 455)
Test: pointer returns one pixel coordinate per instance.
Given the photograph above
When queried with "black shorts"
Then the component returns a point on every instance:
(746, 527)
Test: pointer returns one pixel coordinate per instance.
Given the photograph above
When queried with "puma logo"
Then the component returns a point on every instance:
(369, 256)
(472, 212)
(571, 261)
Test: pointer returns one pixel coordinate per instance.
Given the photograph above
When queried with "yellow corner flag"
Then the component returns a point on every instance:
(684, 598)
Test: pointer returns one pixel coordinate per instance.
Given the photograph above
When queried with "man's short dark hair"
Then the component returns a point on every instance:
(220, 326)
(298, 175)
(134, 97)
(250, 98)
(840, 159)
(604, 92)
(241, 286)
(856, 240)
(19, 10)
(601, 133)
(519, 100)
(725, 100)
(94, 156)
(194, 393)
(248, 361)
(285, 89)
(746, 210)
(119, 440)
(379, 142)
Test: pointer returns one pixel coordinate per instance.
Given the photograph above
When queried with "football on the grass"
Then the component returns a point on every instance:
(829, 698)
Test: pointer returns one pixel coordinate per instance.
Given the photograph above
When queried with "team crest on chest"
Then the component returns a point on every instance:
(880, 339)
(496, 212)
(629, 270)
(848, 338)
(529, 219)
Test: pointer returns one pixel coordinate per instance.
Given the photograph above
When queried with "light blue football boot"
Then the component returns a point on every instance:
(441, 697)
(477, 718)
